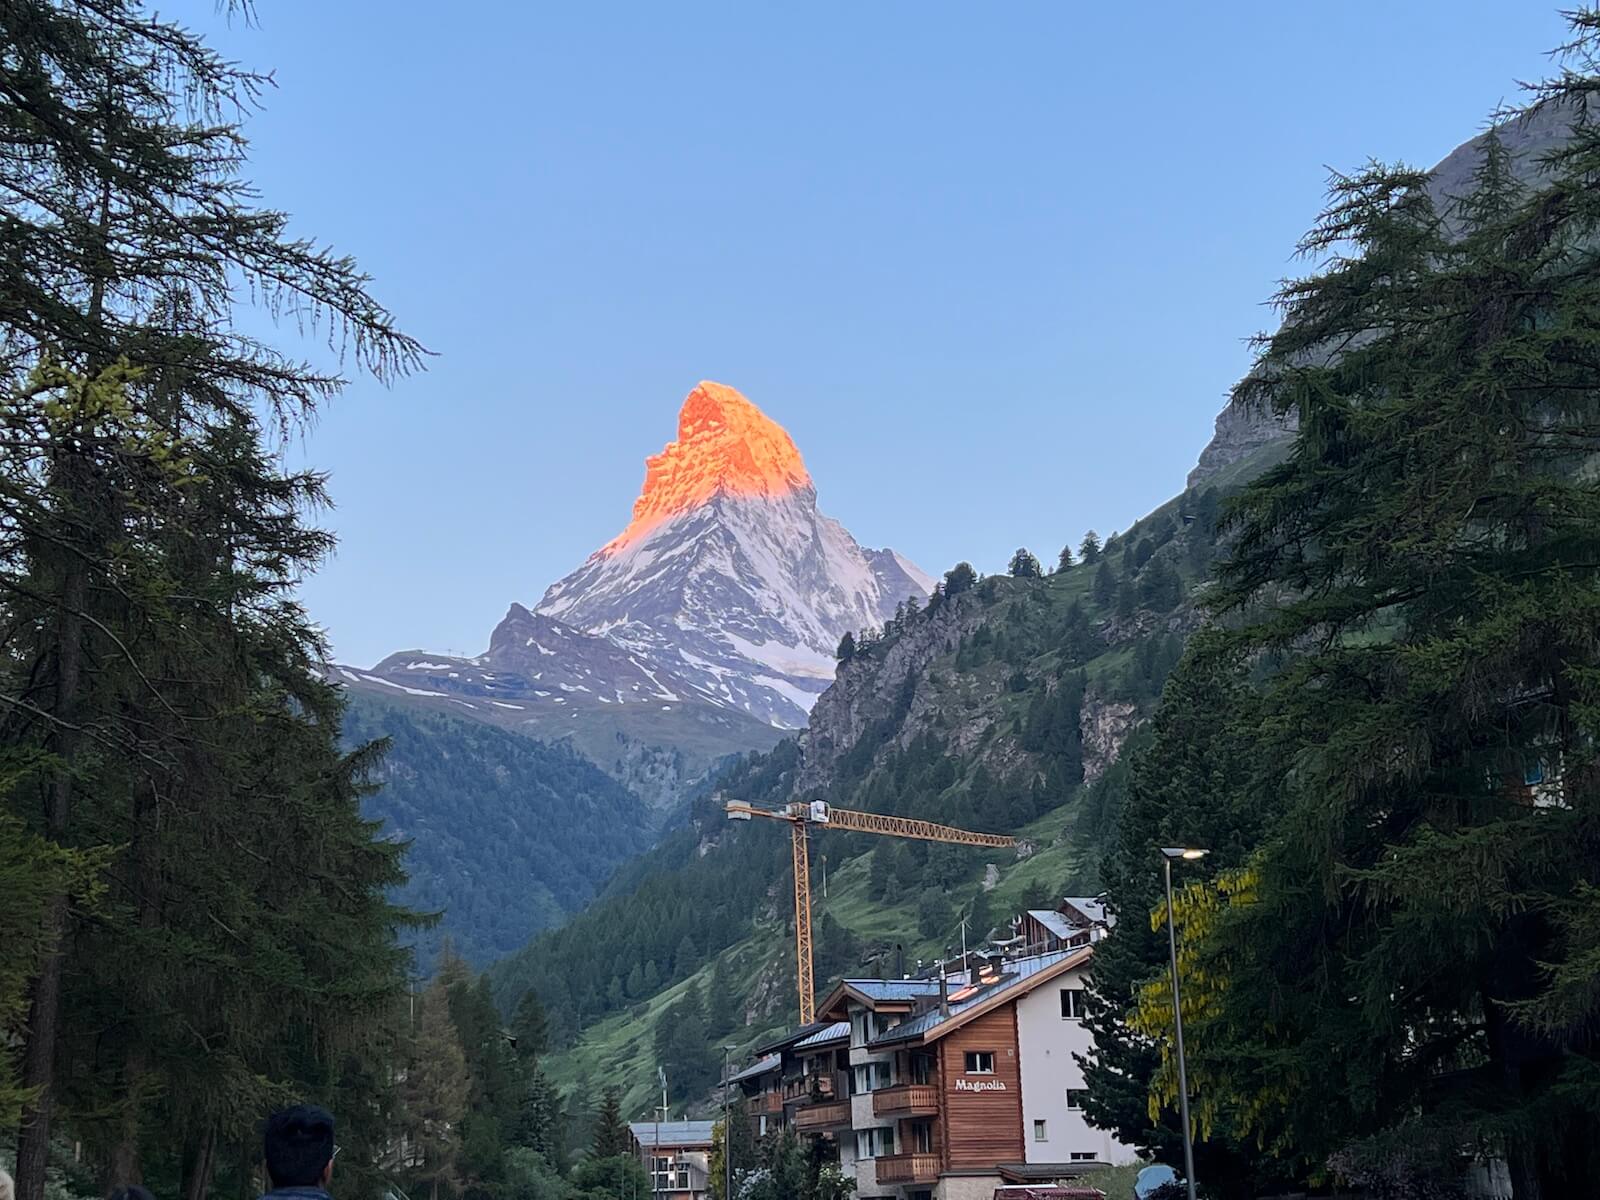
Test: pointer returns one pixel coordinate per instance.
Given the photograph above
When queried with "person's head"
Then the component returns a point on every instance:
(299, 1146)
(132, 1192)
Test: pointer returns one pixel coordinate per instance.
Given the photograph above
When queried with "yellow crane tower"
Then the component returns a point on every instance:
(802, 816)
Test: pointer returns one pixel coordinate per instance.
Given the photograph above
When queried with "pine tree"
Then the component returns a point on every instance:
(1065, 560)
(434, 1092)
(1430, 552)
(1127, 602)
(880, 877)
(541, 1121)
(1104, 588)
(959, 578)
(610, 1138)
(165, 690)
(1024, 565)
(1089, 548)
(530, 1026)
(722, 1005)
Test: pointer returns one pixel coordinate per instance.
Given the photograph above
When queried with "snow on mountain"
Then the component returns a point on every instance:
(728, 576)
(705, 628)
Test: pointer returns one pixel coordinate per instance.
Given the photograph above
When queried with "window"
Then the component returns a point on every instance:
(869, 1077)
(871, 1143)
(1082, 1156)
(980, 1062)
(1076, 1097)
(921, 1068)
(1074, 1004)
(1039, 1134)
(858, 1029)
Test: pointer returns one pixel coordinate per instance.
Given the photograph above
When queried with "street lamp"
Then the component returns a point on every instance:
(1190, 854)
(727, 1131)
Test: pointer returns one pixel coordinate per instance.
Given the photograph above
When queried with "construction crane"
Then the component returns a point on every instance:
(801, 816)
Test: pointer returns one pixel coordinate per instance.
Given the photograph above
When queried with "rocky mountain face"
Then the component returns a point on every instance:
(1241, 431)
(728, 580)
(705, 628)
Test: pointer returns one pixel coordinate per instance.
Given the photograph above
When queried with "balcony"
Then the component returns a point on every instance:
(767, 1102)
(908, 1168)
(906, 1100)
(814, 1118)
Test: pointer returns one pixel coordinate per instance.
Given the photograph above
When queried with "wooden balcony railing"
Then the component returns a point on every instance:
(767, 1102)
(813, 1118)
(906, 1100)
(908, 1168)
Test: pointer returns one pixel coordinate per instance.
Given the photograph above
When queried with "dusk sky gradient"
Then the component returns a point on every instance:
(992, 266)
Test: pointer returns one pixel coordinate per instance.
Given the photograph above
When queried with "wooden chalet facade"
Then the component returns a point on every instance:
(957, 1090)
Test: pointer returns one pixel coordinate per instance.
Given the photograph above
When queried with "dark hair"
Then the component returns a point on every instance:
(132, 1192)
(299, 1144)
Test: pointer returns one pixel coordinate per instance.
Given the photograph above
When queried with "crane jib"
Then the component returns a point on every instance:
(802, 814)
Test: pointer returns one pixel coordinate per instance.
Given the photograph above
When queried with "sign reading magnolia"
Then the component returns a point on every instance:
(980, 1085)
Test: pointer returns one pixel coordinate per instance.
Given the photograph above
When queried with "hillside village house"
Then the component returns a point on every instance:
(948, 1088)
(677, 1155)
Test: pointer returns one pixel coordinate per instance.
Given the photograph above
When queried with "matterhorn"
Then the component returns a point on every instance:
(728, 575)
(709, 623)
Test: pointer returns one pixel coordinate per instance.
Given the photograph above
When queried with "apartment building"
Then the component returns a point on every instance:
(966, 1084)
(677, 1155)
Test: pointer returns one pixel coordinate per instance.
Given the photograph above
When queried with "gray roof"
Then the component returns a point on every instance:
(893, 989)
(789, 1037)
(673, 1133)
(837, 1032)
(1016, 973)
(1093, 907)
(760, 1067)
(1055, 922)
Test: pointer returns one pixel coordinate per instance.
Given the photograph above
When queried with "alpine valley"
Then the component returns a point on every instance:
(705, 629)
(1017, 703)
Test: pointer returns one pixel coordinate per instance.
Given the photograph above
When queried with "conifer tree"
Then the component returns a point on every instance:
(530, 1026)
(1428, 900)
(434, 1092)
(1024, 565)
(1089, 548)
(722, 1005)
(1065, 560)
(611, 1138)
(959, 578)
(1104, 588)
(162, 685)
(1127, 602)
(847, 647)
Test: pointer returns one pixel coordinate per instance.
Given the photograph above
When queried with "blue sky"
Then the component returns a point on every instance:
(993, 266)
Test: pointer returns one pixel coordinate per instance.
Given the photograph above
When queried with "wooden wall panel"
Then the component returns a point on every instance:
(981, 1119)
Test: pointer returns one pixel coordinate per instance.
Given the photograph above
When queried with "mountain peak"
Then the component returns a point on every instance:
(725, 445)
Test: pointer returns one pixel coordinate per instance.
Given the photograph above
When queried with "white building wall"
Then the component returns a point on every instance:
(862, 1117)
(1047, 1043)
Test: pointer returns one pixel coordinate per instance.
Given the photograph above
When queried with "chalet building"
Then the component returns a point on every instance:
(1076, 921)
(761, 1087)
(677, 1154)
(816, 1084)
(960, 1086)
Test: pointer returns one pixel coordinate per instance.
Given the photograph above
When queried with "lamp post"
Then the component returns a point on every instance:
(1168, 854)
(727, 1130)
